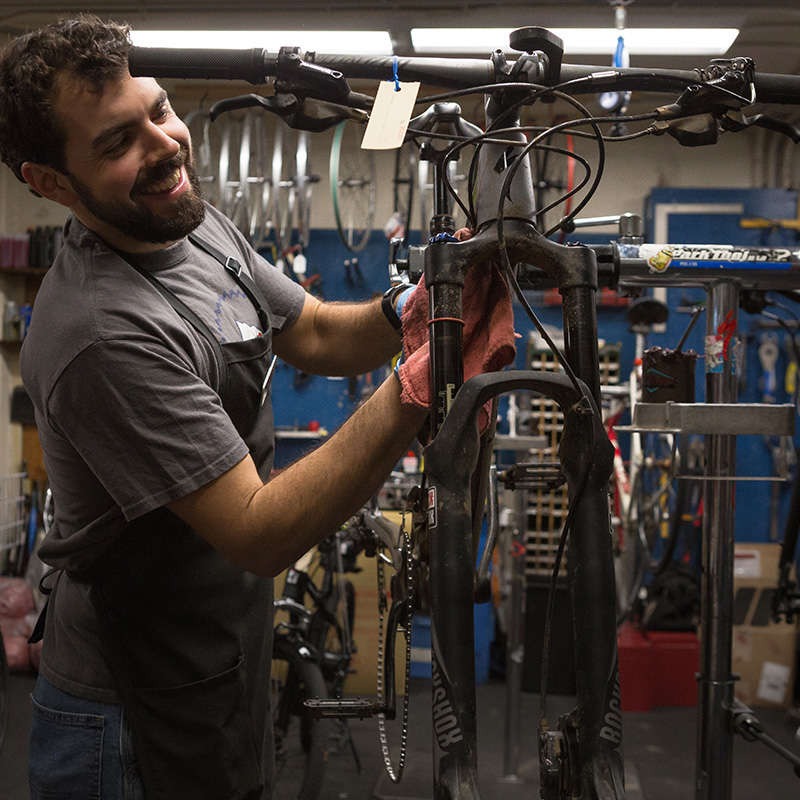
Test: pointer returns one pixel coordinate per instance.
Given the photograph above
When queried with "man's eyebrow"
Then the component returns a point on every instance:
(109, 133)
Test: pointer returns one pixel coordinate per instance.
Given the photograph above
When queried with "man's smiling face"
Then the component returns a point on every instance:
(128, 161)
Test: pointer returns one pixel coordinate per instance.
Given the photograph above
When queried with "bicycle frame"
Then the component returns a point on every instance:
(583, 759)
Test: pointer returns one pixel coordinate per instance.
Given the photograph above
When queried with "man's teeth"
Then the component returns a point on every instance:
(170, 182)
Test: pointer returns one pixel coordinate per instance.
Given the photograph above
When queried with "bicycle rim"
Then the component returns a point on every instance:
(352, 179)
(301, 742)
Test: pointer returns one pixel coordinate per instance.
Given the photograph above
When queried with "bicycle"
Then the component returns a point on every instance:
(312, 652)
(581, 757)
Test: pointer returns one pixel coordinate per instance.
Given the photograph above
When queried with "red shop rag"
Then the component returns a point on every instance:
(488, 336)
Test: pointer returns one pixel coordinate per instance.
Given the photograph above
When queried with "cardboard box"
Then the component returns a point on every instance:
(764, 652)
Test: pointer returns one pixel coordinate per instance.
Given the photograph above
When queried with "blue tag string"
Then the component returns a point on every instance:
(395, 65)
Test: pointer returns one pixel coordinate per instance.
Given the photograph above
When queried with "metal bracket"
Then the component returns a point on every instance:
(714, 418)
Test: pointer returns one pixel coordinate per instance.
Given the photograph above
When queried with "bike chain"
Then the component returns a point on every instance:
(395, 775)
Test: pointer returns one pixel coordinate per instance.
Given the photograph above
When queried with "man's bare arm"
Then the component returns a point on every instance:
(338, 338)
(265, 527)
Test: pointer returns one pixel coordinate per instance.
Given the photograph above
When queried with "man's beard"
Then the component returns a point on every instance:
(138, 222)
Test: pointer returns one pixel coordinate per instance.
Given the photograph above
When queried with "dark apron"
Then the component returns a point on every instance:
(188, 635)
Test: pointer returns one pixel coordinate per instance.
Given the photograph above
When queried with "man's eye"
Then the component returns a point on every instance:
(117, 146)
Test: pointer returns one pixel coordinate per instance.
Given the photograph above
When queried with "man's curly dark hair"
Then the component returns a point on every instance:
(83, 47)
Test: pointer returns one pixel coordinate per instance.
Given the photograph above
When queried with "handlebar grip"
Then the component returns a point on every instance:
(251, 65)
(774, 88)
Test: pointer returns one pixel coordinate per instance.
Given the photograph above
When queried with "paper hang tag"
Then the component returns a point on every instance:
(391, 112)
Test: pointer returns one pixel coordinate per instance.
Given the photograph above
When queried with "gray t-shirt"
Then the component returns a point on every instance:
(126, 401)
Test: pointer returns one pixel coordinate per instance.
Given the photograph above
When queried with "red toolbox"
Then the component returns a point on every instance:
(657, 668)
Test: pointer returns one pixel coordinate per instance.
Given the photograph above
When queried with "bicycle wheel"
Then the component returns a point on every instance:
(256, 182)
(335, 641)
(301, 742)
(3, 692)
(353, 179)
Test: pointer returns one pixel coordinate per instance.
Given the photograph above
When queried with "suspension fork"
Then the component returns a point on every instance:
(596, 723)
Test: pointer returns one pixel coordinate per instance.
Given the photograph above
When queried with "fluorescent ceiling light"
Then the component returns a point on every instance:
(586, 41)
(335, 42)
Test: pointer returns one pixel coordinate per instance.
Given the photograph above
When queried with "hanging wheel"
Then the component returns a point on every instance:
(256, 178)
(353, 178)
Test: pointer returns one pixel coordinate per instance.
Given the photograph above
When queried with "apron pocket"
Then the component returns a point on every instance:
(66, 754)
(196, 740)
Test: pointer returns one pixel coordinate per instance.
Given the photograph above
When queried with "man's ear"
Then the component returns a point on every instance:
(48, 182)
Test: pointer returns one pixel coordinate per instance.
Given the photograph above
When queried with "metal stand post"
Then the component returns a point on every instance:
(715, 688)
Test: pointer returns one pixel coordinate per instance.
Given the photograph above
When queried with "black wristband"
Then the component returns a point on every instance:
(387, 305)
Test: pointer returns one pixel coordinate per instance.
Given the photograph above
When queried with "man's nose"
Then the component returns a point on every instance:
(162, 144)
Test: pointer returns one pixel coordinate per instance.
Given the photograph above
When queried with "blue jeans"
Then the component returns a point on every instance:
(80, 748)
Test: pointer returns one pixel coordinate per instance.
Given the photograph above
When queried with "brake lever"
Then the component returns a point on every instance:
(303, 114)
(738, 121)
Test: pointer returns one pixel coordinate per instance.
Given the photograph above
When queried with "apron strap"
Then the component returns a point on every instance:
(37, 634)
(193, 319)
(241, 276)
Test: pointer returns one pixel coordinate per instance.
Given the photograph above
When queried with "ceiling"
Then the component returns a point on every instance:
(770, 32)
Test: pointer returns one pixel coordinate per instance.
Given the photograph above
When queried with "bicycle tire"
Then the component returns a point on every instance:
(301, 742)
(3, 692)
(353, 178)
(336, 640)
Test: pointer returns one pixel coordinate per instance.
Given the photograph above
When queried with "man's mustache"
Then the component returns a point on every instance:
(162, 170)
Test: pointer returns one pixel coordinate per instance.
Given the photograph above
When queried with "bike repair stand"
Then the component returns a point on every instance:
(720, 419)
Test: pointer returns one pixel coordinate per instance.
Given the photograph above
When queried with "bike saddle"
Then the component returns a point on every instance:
(647, 311)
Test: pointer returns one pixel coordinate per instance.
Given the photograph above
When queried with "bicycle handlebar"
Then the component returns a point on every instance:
(256, 66)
